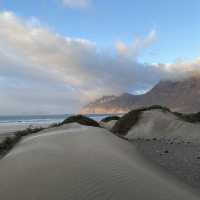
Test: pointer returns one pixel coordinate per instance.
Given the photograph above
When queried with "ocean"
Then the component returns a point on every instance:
(32, 119)
(10, 124)
(40, 119)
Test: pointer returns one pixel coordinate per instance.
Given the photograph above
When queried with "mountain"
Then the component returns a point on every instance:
(181, 96)
(110, 104)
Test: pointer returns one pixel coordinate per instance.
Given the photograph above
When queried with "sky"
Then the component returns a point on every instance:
(58, 55)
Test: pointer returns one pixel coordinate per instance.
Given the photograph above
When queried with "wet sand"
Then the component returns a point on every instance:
(83, 163)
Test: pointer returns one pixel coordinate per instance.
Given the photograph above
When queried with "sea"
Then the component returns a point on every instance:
(40, 119)
(10, 124)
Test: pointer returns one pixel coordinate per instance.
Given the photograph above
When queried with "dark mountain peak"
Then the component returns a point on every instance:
(179, 95)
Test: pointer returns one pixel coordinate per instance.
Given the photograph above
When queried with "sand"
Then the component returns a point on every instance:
(181, 159)
(83, 163)
(159, 124)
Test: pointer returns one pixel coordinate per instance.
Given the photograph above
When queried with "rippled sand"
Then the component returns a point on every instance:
(82, 163)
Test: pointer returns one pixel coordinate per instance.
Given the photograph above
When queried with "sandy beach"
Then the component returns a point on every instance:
(167, 140)
(79, 162)
(13, 127)
(9, 129)
(181, 159)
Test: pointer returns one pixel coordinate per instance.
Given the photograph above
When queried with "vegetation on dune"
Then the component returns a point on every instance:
(53, 125)
(81, 119)
(110, 118)
(192, 118)
(121, 128)
(9, 142)
(125, 123)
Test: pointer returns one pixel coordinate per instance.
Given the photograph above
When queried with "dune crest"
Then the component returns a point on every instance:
(158, 122)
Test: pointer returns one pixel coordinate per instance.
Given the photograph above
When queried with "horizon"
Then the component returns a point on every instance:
(58, 55)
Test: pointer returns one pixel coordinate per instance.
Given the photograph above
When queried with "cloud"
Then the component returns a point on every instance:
(181, 69)
(76, 3)
(134, 50)
(44, 72)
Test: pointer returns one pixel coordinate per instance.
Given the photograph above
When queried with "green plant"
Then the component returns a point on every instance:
(81, 119)
(125, 123)
(110, 118)
(9, 142)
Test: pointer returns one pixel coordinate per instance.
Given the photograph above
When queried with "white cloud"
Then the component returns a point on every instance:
(76, 3)
(180, 70)
(134, 50)
(44, 72)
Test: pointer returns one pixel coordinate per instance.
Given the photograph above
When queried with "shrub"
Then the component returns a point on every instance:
(28, 131)
(125, 123)
(9, 142)
(54, 125)
(110, 118)
(192, 118)
(81, 119)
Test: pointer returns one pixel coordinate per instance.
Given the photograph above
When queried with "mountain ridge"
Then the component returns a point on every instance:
(182, 96)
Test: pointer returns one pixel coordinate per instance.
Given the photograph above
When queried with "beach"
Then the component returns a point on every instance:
(181, 159)
(167, 139)
(80, 162)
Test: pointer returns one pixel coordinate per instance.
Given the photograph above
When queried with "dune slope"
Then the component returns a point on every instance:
(159, 124)
(82, 163)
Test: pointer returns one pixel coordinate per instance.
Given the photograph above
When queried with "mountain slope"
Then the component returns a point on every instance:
(110, 104)
(182, 96)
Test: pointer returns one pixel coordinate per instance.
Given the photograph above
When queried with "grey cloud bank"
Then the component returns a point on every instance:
(44, 72)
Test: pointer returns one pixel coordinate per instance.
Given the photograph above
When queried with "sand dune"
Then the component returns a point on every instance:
(76, 162)
(159, 124)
